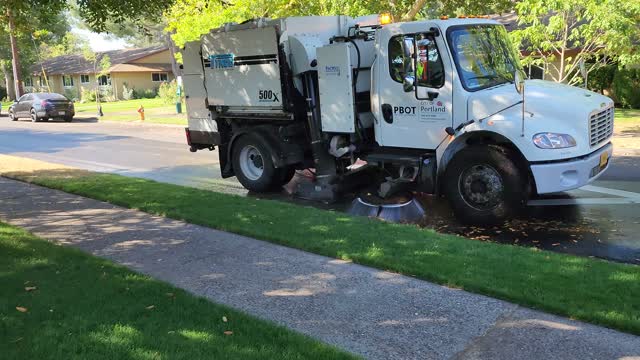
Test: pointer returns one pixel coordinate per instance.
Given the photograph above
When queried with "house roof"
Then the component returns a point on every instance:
(509, 20)
(77, 64)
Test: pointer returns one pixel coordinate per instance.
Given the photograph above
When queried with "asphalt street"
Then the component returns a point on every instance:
(601, 220)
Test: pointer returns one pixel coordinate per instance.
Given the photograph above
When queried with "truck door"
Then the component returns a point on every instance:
(413, 81)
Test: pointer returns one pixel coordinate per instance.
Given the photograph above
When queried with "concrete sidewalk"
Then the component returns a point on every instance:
(374, 313)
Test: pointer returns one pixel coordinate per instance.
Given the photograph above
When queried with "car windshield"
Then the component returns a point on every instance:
(483, 55)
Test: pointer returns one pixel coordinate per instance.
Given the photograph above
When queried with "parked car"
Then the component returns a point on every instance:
(42, 107)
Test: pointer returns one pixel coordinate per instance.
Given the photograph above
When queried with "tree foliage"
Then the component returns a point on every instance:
(562, 34)
(188, 19)
(31, 16)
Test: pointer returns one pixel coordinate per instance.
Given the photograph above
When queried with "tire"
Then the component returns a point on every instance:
(68, 119)
(34, 116)
(484, 186)
(12, 117)
(252, 164)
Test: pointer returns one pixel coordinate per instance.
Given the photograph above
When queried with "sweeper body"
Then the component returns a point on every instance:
(435, 106)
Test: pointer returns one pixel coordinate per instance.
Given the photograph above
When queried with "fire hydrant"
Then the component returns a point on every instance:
(141, 112)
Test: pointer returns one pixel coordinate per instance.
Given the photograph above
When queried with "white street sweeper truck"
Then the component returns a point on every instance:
(433, 106)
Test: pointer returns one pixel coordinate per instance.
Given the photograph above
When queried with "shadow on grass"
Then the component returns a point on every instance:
(87, 308)
(588, 289)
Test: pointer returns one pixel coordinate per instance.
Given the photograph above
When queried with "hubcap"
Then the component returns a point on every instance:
(481, 187)
(251, 162)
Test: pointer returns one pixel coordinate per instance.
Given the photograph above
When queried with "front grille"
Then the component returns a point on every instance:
(600, 126)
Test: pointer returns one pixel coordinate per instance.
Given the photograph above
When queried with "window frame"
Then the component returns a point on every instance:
(166, 75)
(108, 81)
(456, 62)
(71, 82)
(414, 58)
(415, 44)
(28, 81)
(401, 36)
(85, 82)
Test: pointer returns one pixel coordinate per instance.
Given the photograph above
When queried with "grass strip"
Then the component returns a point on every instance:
(592, 290)
(156, 111)
(59, 303)
(628, 115)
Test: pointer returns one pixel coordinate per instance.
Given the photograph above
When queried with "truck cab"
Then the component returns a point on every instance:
(437, 106)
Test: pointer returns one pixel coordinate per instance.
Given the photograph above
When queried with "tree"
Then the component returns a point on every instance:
(188, 19)
(20, 14)
(562, 35)
(68, 44)
(101, 65)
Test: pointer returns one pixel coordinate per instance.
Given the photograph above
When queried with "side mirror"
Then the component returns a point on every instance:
(518, 81)
(408, 83)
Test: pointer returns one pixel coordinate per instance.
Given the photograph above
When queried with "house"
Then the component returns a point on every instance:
(140, 69)
(549, 70)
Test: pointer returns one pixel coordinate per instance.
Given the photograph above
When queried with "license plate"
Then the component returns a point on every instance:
(604, 158)
(61, 112)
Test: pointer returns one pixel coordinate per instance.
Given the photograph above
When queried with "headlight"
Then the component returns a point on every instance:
(553, 141)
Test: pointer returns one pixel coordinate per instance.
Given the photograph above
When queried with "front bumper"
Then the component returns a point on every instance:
(571, 174)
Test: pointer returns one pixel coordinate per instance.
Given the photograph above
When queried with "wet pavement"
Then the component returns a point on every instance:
(601, 220)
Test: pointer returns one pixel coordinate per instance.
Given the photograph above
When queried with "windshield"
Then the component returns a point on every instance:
(483, 55)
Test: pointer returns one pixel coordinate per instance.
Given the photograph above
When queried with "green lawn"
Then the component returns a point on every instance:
(592, 290)
(83, 307)
(628, 115)
(156, 111)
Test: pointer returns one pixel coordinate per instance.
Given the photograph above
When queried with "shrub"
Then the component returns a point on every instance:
(127, 93)
(145, 94)
(106, 94)
(71, 94)
(167, 92)
(602, 78)
(87, 95)
(626, 83)
(3, 92)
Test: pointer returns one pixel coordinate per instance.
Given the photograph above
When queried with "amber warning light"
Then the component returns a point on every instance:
(385, 18)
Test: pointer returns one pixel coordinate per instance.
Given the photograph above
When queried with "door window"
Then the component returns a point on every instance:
(23, 98)
(400, 57)
(429, 67)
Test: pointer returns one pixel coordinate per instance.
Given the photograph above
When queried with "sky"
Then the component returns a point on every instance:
(99, 42)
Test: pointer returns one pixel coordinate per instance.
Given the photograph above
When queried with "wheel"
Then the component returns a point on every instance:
(68, 118)
(12, 117)
(252, 164)
(34, 116)
(484, 185)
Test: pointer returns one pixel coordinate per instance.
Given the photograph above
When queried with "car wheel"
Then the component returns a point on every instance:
(484, 186)
(34, 116)
(68, 119)
(12, 117)
(252, 164)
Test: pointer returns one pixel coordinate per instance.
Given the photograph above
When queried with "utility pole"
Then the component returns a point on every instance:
(14, 54)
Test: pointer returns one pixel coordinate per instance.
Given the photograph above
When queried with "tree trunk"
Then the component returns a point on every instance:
(8, 81)
(172, 50)
(14, 53)
(411, 15)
